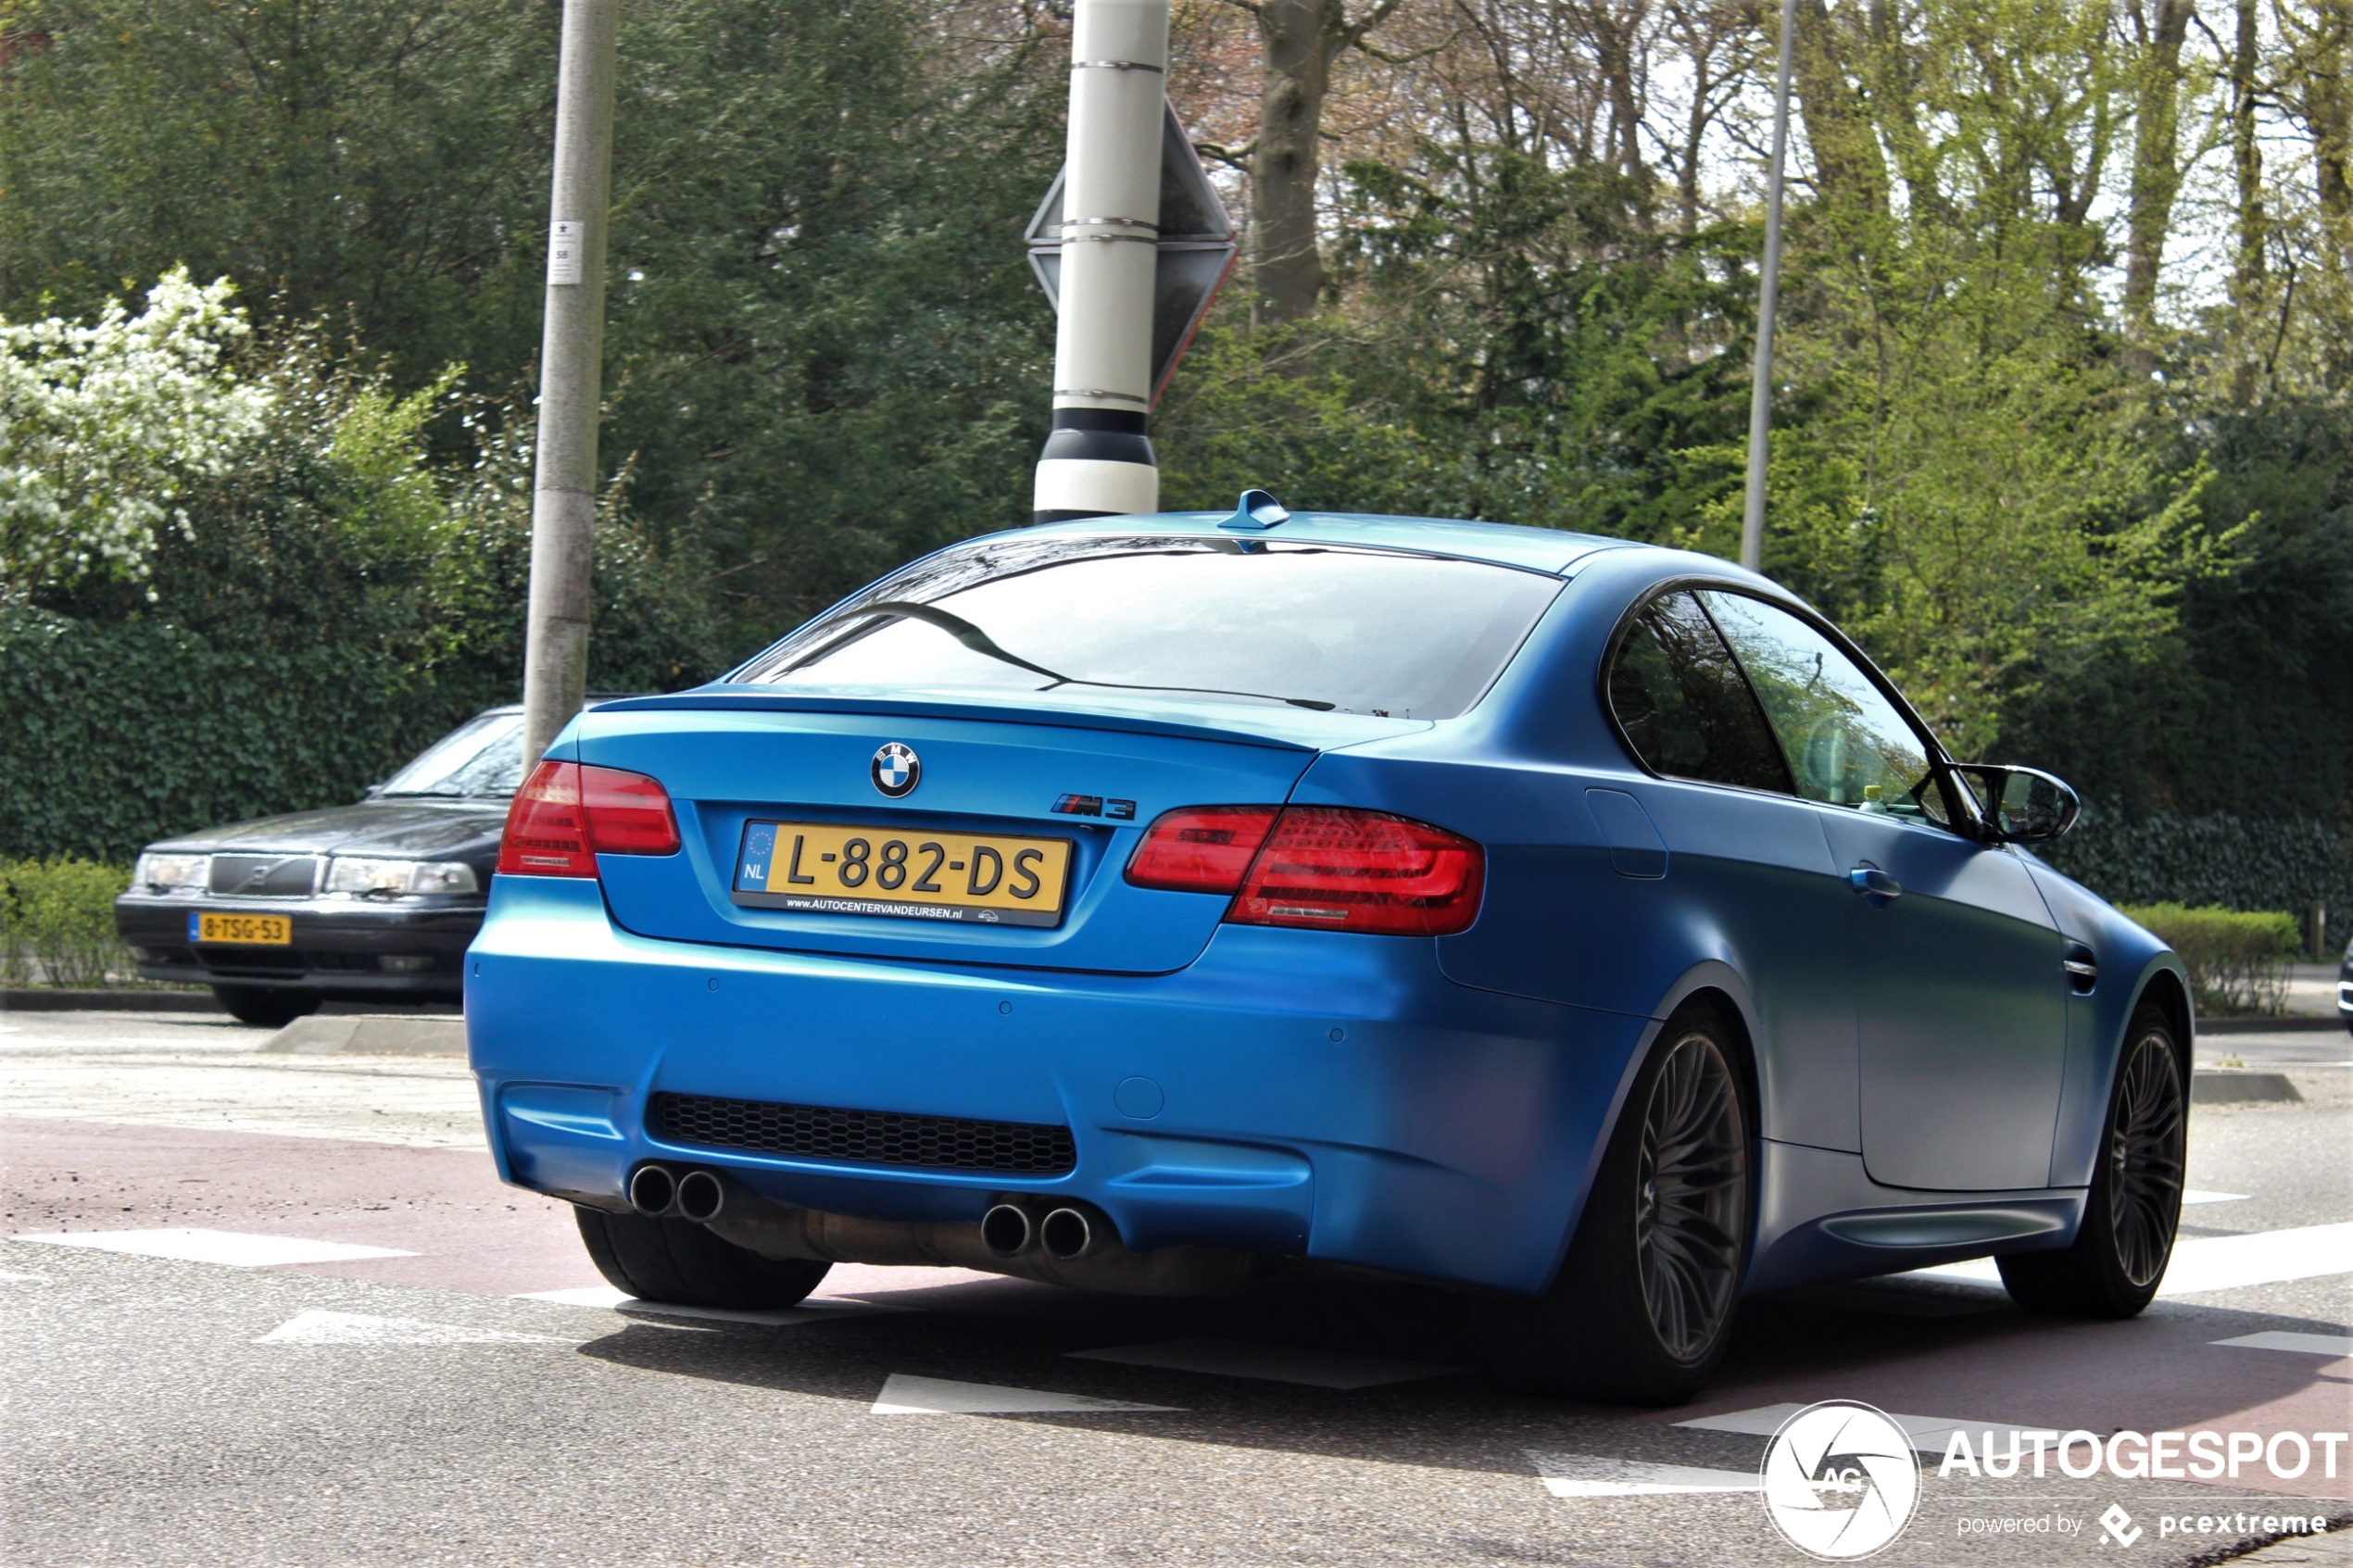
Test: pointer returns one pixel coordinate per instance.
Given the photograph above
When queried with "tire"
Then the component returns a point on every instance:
(267, 1007)
(2131, 1214)
(681, 1262)
(1643, 1307)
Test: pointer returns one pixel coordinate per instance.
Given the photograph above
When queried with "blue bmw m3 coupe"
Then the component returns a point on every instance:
(1162, 904)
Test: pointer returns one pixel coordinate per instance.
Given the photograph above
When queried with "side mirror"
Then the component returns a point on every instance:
(374, 790)
(2020, 804)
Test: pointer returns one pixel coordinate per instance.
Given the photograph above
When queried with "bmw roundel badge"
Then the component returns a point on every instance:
(896, 769)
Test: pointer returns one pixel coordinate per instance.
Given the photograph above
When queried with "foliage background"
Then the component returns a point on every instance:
(2062, 422)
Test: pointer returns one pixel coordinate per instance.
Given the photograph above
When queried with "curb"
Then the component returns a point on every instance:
(2292, 1024)
(368, 1034)
(43, 999)
(2235, 1086)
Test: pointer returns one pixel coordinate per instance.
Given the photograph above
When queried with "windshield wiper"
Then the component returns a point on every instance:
(980, 642)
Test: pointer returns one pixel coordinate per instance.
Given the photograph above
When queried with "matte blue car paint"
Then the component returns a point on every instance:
(726, 769)
(1635, 848)
(2132, 964)
(1961, 1007)
(1444, 1132)
(1433, 1107)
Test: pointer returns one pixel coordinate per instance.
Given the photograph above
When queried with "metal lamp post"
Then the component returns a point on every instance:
(1760, 397)
(563, 501)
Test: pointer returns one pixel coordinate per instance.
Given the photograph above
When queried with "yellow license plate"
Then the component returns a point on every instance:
(271, 930)
(828, 868)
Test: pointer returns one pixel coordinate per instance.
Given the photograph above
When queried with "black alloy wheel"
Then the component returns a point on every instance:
(682, 1263)
(1692, 1176)
(1643, 1307)
(267, 1007)
(2134, 1205)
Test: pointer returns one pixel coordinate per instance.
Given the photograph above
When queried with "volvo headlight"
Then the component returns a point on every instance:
(350, 873)
(171, 873)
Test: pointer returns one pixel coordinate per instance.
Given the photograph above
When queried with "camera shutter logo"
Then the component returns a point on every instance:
(1841, 1480)
(896, 769)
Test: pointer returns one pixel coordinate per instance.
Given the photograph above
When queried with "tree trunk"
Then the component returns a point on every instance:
(2247, 159)
(2328, 109)
(1298, 39)
(2157, 173)
(1838, 121)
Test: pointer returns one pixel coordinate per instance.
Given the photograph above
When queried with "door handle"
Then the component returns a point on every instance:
(1875, 883)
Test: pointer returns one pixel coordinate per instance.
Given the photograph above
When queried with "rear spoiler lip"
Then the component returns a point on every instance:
(1286, 732)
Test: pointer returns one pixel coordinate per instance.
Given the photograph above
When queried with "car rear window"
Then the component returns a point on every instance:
(1327, 627)
(482, 757)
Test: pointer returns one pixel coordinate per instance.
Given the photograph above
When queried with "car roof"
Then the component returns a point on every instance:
(1535, 549)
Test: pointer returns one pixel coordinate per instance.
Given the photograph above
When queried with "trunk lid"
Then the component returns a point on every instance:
(990, 777)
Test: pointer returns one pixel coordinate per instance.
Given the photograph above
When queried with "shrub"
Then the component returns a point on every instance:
(57, 922)
(321, 602)
(2238, 961)
(2223, 860)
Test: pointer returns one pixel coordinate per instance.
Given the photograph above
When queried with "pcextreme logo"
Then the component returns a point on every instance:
(1841, 1480)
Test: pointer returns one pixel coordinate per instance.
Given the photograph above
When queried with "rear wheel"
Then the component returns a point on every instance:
(680, 1262)
(1643, 1305)
(2134, 1205)
(267, 1007)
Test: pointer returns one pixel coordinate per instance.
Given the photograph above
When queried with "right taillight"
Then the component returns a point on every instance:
(1328, 868)
(1201, 848)
(567, 813)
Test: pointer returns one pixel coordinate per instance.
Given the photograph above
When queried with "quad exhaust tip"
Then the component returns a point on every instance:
(1067, 1235)
(652, 1190)
(658, 1193)
(701, 1196)
(1005, 1230)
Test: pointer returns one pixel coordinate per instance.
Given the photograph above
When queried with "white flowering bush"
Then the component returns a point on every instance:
(103, 425)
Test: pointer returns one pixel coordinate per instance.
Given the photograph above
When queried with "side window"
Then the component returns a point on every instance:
(1845, 742)
(1678, 697)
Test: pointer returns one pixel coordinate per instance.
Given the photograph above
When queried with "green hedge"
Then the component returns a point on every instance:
(57, 922)
(114, 735)
(2237, 960)
(2221, 861)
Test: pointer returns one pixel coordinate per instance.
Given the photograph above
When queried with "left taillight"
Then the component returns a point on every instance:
(568, 813)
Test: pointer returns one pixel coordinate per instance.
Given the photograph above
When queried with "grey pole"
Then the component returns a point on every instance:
(1097, 460)
(1760, 395)
(564, 500)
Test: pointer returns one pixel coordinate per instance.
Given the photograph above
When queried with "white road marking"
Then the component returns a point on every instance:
(1928, 1433)
(2218, 1262)
(11, 1277)
(2194, 1195)
(360, 1328)
(606, 1298)
(2303, 1344)
(906, 1395)
(1593, 1475)
(233, 1248)
(1273, 1364)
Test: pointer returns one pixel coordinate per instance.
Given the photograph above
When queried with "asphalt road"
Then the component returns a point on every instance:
(275, 1310)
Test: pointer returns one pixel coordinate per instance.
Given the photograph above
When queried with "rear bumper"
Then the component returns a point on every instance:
(1303, 1094)
(341, 945)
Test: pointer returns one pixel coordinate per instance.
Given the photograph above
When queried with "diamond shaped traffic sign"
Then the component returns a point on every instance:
(1194, 253)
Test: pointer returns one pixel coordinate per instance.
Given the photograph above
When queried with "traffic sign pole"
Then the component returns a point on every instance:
(1098, 462)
